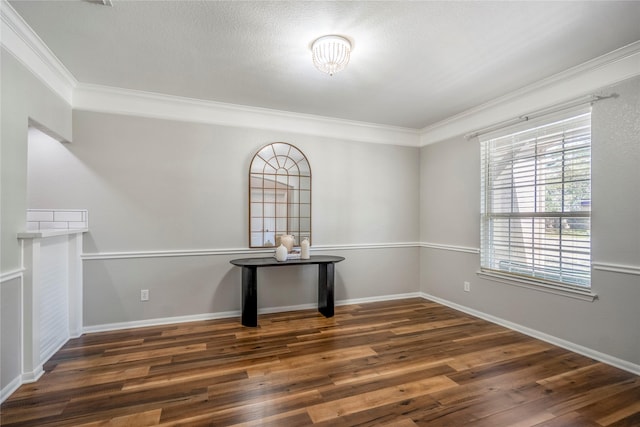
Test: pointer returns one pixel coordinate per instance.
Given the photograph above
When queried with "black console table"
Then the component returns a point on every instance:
(326, 273)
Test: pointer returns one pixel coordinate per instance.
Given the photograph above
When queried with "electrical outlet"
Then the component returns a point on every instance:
(467, 287)
(144, 294)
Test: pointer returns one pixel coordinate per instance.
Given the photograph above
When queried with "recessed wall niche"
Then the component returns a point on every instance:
(45, 159)
(279, 195)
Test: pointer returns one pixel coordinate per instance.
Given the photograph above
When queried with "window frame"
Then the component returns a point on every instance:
(528, 274)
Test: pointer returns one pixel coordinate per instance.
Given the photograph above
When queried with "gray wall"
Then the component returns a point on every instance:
(160, 185)
(450, 215)
(24, 97)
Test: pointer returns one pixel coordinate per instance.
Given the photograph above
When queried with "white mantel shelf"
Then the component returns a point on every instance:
(41, 234)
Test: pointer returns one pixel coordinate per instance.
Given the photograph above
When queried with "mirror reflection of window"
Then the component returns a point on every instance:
(279, 195)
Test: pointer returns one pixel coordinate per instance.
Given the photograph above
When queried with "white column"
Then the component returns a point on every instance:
(75, 285)
(31, 365)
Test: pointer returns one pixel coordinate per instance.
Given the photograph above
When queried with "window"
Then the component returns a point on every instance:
(536, 201)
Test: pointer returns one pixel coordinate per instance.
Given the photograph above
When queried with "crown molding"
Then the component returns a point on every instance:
(605, 70)
(155, 105)
(25, 45)
(22, 42)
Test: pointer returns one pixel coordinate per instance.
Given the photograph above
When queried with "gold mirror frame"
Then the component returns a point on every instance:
(279, 195)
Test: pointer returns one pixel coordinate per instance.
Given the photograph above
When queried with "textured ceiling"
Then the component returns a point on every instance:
(413, 63)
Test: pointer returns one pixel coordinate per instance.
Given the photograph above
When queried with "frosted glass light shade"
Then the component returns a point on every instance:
(331, 54)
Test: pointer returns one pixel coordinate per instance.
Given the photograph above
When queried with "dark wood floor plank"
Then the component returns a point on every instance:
(614, 408)
(569, 419)
(365, 401)
(401, 363)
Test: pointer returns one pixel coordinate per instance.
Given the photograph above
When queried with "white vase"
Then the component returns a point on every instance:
(304, 249)
(288, 241)
(281, 253)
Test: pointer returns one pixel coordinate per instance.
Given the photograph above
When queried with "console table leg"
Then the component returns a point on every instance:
(249, 296)
(326, 273)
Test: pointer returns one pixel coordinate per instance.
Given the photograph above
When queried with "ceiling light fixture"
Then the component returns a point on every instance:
(331, 54)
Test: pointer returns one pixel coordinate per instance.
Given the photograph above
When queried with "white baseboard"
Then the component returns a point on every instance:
(576, 348)
(8, 390)
(379, 298)
(25, 378)
(236, 313)
(33, 376)
(106, 327)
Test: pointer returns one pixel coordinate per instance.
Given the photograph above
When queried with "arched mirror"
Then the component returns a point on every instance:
(279, 195)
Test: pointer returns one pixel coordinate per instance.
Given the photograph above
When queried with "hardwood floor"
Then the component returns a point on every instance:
(397, 363)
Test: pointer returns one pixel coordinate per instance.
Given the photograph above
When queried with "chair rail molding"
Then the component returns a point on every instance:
(452, 248)
(616, 268)
(237, 251)
(10, 275)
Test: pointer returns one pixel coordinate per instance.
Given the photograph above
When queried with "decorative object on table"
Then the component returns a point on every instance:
(304, 249)
(268, 243)
(281, 253)
(294, 254)
(288, 241)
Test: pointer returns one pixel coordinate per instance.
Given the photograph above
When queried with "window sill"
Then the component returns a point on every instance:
(581, 294)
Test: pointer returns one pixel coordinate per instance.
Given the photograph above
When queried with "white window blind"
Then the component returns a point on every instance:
(536, 201)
